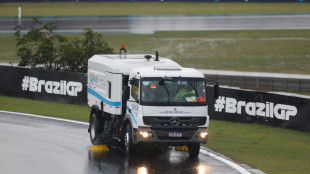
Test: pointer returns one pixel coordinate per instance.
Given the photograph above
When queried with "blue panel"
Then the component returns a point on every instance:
(94, 93)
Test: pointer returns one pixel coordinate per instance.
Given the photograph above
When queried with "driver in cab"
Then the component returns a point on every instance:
(186, 89)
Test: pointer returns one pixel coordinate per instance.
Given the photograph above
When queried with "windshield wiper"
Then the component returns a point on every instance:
(162, 83)
(167, 93)
(196, 93)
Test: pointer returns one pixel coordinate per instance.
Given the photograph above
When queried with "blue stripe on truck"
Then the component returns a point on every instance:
(94, 93)
(133, 117)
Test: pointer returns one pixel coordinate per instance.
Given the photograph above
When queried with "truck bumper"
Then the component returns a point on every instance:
(169, 136)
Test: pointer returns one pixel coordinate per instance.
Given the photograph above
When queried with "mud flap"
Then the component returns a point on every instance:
(181, 148)
(99, 148)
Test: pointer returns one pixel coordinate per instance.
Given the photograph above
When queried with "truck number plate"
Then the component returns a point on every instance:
(175, 134)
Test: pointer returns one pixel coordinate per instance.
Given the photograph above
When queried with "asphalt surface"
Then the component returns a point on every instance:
(34, 145)
(150, 24)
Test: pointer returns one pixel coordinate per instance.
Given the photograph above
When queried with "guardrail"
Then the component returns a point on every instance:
(261, 81)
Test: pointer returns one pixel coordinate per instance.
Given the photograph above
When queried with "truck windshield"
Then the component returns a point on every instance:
(173, 91)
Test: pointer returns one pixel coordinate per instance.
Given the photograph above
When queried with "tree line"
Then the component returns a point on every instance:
(41, 47)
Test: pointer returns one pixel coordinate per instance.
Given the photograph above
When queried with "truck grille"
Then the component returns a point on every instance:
(165, 122)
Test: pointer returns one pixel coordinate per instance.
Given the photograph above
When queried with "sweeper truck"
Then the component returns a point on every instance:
(143, 98)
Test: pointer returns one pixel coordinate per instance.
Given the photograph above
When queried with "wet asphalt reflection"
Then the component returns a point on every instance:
(31, 145)
(150, 24)
(148, 161)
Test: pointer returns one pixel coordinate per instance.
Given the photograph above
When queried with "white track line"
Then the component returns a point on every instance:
(228, 162)
(45, 117)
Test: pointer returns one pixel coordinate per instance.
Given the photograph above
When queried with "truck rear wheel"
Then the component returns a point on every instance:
(128, 143)
(95, 128)
(193, 150)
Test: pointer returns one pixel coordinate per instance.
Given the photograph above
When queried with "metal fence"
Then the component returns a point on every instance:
(263, 83)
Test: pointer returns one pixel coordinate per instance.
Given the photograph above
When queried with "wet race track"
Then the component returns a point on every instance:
(150, 24)
(34, 145)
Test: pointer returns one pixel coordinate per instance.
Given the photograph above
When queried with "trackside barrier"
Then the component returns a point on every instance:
(260, 82)
(45, 85)
(234, 104)
(272, 109)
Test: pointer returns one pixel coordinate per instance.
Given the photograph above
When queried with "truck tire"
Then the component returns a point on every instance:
(95, 128)
(193, 150)
(128, 143)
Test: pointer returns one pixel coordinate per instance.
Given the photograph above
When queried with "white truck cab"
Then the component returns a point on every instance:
(144, 98)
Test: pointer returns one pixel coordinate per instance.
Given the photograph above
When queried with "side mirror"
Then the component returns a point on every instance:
(216, 91)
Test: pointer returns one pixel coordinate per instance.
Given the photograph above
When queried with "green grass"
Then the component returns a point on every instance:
(273, 150)
(53, 109)
(149, 8)
(8, 49)
(283, 51)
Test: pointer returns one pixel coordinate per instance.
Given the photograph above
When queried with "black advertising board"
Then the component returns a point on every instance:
(45, 85)
(233, 104)
(263, 108)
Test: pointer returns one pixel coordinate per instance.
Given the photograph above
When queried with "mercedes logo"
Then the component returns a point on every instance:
(175, 121)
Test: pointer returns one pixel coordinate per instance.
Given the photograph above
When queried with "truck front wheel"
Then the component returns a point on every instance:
(95, 128)
(193, 150)
(128, 144)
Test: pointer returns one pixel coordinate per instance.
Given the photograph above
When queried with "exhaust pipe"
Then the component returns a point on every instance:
(157, 57)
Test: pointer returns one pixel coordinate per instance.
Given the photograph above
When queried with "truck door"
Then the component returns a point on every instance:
(133, 102)
(113, 102)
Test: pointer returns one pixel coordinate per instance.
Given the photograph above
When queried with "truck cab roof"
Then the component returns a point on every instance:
(115, 63)
(166, 72)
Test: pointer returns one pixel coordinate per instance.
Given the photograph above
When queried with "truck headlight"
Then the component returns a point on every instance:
(145, 134)
(202, 134)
